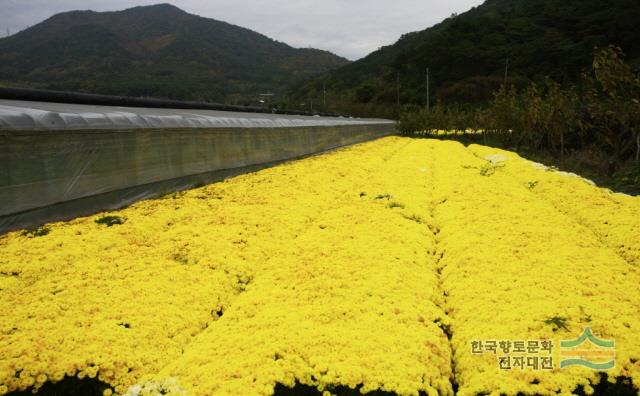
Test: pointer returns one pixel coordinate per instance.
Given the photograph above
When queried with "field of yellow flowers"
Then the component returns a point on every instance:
(399, 265)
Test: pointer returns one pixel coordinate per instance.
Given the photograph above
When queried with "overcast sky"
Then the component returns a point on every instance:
(350, 28)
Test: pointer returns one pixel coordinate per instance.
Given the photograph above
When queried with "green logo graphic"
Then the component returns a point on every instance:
(588, 351)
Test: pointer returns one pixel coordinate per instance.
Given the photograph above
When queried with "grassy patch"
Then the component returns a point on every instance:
(531, 184)
(490, 168)
(558, 322)
(36, 232)
(110, 221)
(383, 196)
(415, 218)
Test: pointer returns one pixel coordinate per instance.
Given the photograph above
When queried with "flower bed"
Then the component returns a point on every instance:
(613, 217)
(372, 268)
(515, 268)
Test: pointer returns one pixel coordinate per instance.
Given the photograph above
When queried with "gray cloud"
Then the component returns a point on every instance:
(350, 28)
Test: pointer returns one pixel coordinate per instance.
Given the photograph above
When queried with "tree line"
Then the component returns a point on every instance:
(601, 111)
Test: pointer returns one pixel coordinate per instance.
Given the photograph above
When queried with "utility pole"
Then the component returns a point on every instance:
(324, 96)
(506, 73)
(311, 104)
(428, 95)
(398, 88)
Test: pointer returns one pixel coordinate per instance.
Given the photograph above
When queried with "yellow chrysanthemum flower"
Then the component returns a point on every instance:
(372, 267)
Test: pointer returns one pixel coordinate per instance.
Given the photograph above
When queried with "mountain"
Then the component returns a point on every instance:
(158, 51)
(467, 53)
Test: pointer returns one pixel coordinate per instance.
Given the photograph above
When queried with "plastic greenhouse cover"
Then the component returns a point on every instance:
(20, 115)
(60, 161)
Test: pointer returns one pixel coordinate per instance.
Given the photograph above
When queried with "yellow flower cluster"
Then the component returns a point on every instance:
(319, 271)
(613, 217)
(511, 263)
(348, 269)
(448, 132)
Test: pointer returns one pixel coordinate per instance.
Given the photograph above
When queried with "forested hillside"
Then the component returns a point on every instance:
(158, 51)
(467, 54)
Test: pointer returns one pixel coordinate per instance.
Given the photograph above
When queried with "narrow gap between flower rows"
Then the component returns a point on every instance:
(439, 255)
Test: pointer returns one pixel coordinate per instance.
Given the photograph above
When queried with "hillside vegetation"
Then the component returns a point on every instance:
(467, 54)
(592, 127)
(158, 51)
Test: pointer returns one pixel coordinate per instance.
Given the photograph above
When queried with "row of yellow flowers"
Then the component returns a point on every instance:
(311, 271)
(515, 268)
(349, 298)
(613, 217)
(347, 269)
